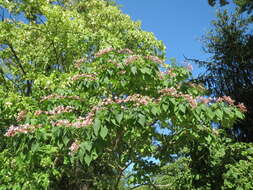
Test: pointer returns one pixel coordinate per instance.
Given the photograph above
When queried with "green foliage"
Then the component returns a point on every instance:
(84, 103)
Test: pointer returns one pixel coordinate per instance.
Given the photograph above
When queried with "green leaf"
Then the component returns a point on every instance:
(103, 132)
(165, 107)
(87, 159)
(134, 70)
(219, 114)
(119, 117)
(155, 110)
(96, 126)
(141, 120)
(87, 145)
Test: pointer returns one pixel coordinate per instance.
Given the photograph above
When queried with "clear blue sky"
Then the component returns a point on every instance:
(178, 23)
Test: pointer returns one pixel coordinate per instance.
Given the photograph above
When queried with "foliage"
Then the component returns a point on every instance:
(243, 6)
(229, 70)
(85, 97)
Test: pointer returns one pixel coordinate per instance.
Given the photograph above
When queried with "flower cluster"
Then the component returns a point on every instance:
(242, 107)
(226, 99)
(13, 130)
(204, 100)
(88, 76)
(103, 51)
(80, 122)
(170, 91)
(56, 96)
(122, 72)
(74, 147)
(173, 92)
(126, 50)
(131, 59)
(154, 59)
(55, 111)
(167, 72)
(189, 67)
(21, 115)
(137, 98)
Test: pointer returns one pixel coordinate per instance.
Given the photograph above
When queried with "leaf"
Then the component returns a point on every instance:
(87, 159)
(182, 108)
(103, 132)
(97, 124)
(65, 140)
(134, 70)
(219, 114)
(119, 117)
(165, 107)
(155, 110)
(141, 120)
(87, 145)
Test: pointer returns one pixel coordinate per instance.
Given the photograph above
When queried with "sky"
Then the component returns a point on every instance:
(180, 24)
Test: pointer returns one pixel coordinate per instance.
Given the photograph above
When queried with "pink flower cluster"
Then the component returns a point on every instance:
(88, 76)
(81, 121)
(74, 147)
(137, 98)
(173, 92)
(56, 96)
(122, 72)
(13, 130)
(154, 59)
(126, 50)
(107, 50)
(131, 59)
(170, 72)
(231, 102)
(189, 67)
(55, 111)
(21, 115)
(167, 72)
(226, 99)
(170, 91)
(204, 100)
(242, 107)
(103, 51)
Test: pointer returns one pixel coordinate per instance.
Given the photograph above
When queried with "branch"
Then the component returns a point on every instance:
(16, 58)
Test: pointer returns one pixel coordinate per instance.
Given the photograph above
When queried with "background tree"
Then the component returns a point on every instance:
(230, 69)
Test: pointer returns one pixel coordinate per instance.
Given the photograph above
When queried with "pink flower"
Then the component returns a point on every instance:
(25, 128)
(170, 91)
(226, 99)
(126, 50)
(131, 59)
(74, 147)
(103, 51)
(204, 100)
(229, 100)
(122, 72)
(154, 59)
(87, 76)
(21, 115)
(242, 107)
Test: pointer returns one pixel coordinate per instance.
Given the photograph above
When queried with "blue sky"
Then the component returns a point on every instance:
(178, 23)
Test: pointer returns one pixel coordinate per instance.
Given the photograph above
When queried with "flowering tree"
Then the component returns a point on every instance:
(86, 97)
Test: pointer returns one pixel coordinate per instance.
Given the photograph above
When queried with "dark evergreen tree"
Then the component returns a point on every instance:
(229, 72)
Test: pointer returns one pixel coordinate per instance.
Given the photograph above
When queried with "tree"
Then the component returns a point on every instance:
(229, 71)
(83, 100)
(242, 5)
